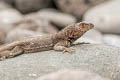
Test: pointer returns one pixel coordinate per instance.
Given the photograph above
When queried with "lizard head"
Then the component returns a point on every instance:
(77, 30)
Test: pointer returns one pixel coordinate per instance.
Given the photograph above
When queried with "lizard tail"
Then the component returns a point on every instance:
(9, 46)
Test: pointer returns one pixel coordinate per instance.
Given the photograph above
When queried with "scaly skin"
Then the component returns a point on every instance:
(60, 41)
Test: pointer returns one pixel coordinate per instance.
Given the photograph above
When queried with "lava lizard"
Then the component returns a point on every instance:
(60, 41)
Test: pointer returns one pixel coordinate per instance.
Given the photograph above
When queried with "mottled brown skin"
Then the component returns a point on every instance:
(60, 41)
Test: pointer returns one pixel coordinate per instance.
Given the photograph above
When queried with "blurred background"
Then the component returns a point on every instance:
(20, 19)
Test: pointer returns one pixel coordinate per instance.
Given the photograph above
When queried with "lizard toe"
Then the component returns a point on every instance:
(69, 50)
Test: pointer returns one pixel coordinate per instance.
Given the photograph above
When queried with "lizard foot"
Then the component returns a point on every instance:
(5, 54)
(69, 50)
(16, 51)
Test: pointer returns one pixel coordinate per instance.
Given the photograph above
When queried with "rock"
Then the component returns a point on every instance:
(92, 36)
(20, 34)
(2, 35)
(34, 23)
(58, 18)
(4, 5)
(26, 6)
(72, 75)
(101, 59)
(8, 17)
(105, 16)
(77, 7)
(112, 39)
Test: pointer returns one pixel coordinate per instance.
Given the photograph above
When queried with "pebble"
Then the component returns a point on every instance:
(20, 34)
(106, 17)
(77, 7)
(4, 5)
(38, 24)
(9, 1)
(56, 17)
(2, 35)
(8, 17)
(26, 6)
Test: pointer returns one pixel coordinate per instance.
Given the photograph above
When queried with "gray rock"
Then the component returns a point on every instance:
(112, 39)
(4, 5)
(8, 17)
(26, 6)
(101, 59)
(77, 7)
(106, 16)
(2, 35)
(72, 75)
(36, 23)
(58, 18)
(9, 1)
(20, 34)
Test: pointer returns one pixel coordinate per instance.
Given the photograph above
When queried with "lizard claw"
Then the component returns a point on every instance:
(79, 43)
(69, 50)
(2, 58)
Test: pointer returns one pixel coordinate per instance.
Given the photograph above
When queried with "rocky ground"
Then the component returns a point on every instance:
(100, 59)
(20, 19)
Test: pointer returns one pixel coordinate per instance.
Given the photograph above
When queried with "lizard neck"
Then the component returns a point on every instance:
(59, 36)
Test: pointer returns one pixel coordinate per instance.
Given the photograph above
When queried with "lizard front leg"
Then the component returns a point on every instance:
(63, 46)
(11, 53)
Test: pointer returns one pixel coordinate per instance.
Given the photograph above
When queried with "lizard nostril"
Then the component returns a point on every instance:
(91, 25)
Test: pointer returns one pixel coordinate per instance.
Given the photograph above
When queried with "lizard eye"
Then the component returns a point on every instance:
(71, 38)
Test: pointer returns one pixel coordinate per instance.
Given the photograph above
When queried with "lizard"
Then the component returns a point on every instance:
(60, 41)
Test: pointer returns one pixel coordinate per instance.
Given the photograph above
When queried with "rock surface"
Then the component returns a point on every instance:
(72, 75)
(101, 59)
(112, 39)
(77, 7)
(106, 16)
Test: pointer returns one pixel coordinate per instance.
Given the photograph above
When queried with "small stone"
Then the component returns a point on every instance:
(20, 34)
(106, 17)
(112, 39)
(34, 23)
(72, 75)
(77, 7)
(8, 17)
(58, 18)
(26, 6)
(4, 5)
(9, 1)
(2, 35)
